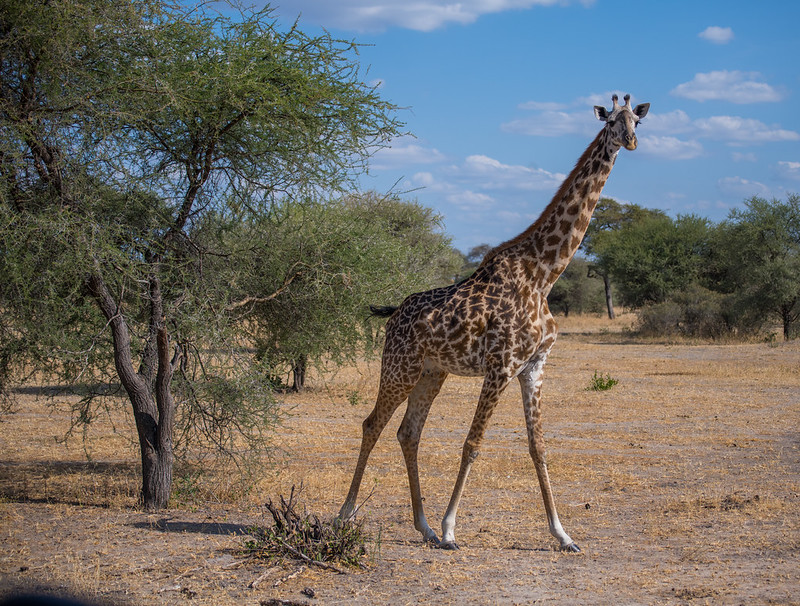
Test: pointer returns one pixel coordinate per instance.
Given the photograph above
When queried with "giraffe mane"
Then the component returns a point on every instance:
(562, 191)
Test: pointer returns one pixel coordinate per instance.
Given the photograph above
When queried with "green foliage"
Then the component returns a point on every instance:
(354, 398)
(610, 216)
(319, 266)
(693, 312)
(756, 261)
(652, 256)
(129, 130)
(696, 279)
(599, 382)
(576, 290)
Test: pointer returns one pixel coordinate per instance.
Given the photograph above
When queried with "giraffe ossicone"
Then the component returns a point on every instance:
(494, 324)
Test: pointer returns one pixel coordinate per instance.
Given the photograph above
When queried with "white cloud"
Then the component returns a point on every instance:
(404, 152)
(660, 134)
(740, 131)
(491, 174)
(716, 34)
(743, 188)
(671, 148)
(479, 181)
(420, 15)
(424, 179)
(470, 200)
(723, 85)
(553, 121)
(673, 122)
(554, 124)
(789, 170)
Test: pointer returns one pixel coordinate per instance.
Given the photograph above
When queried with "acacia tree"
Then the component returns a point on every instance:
(329, 262)
(125, 126)
(652, 256)
(610, 216)
(756, 261)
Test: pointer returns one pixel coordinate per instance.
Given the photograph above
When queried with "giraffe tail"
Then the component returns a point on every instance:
(383, 311)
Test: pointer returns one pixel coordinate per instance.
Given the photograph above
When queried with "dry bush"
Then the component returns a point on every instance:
(305, 537)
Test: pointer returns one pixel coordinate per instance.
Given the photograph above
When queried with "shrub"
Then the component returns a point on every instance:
(693, 312)
(305, 537)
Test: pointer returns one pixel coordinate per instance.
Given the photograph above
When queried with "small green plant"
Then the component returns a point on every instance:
(599, 382)
(305, 537)
(354, 398)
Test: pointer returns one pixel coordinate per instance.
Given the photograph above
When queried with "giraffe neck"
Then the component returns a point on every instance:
(546, 247)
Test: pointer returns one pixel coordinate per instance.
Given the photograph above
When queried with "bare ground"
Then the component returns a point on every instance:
(681, 485)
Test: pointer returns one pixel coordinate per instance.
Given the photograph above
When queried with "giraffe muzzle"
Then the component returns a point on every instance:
(630, 142)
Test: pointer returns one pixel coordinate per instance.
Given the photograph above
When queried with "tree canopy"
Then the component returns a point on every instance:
(130, 131)
(755, 260)
(323, 265)
(651, 255)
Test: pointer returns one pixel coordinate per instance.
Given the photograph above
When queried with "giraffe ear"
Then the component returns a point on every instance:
(641, 110)
(601, 113)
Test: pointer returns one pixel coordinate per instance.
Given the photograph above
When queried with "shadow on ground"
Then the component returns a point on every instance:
(177, 526)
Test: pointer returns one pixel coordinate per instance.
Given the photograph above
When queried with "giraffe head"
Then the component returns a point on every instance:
(621, 121)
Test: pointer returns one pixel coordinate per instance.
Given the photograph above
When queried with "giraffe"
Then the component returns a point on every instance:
(494, 324)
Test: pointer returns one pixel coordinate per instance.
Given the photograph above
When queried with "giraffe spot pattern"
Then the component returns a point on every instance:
(494, 324)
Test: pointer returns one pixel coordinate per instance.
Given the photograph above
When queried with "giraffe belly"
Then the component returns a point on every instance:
(471, 359)
(464, 360)
(460, 368)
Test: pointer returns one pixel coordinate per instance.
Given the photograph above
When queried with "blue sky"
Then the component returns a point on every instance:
(499, 95)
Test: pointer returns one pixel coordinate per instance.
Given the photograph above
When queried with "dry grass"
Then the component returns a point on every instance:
(681, 484)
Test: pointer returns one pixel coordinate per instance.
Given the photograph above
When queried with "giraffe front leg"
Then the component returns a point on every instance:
(468, 456)
(531, 383)
(493, 386)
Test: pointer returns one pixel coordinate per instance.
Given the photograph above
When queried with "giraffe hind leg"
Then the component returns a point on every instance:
(391, 393)
(419, 404)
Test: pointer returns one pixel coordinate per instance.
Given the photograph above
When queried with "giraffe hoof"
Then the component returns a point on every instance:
(448, 545)
(571, 548)
(432, 541)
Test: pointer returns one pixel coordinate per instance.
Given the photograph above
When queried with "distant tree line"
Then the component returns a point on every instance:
(690, 276)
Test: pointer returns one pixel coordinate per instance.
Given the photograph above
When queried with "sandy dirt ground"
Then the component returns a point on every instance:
(681, 485)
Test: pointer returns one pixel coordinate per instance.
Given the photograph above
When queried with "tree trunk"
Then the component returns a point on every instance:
(157, 457)
(786, 316)
(609, 302)
(151, 400)
(299, 373)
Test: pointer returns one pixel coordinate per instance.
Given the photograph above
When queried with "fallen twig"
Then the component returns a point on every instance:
(288, 577)
(253, 584)
(305, 558)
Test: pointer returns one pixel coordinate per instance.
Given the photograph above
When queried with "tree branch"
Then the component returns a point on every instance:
(255, 300)
(119, 332)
